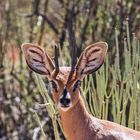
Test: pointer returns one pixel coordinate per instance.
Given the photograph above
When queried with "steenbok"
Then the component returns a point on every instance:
(78, 124)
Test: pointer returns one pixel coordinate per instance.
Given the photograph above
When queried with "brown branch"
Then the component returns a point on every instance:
(37, 13)
(49, 23)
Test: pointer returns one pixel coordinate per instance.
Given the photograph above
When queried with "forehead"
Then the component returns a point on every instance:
(64, 74)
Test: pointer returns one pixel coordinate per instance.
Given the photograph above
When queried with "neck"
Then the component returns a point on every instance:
(75, 121)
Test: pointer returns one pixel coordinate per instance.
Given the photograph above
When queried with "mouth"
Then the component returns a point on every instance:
(65, 106)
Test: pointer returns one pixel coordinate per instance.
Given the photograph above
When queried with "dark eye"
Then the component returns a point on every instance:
(76, 85)
(53, 84)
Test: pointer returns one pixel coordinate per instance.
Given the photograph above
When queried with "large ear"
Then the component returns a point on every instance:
(37, 59)
(92, 58)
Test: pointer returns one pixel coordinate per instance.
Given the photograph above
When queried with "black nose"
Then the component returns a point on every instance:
(65, 101)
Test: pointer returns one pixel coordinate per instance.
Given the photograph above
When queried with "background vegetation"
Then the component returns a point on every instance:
(26, 107)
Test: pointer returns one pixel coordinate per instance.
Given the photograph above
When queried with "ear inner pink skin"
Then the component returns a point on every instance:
(37, 59)
(92, 58)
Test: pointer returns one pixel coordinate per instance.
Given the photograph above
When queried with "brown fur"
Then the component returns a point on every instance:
(78, 124)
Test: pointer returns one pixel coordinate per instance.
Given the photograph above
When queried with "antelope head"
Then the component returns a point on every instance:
(65, 81)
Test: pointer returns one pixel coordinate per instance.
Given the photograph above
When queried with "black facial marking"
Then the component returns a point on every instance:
(64, 100)
(54, 86)
(76, 85)
(64, 92)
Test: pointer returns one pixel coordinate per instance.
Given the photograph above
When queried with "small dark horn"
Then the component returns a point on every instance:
(56, 50)
(56, 58)
(73, 62)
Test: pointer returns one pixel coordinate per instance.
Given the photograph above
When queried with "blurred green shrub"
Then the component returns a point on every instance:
(111, 93)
